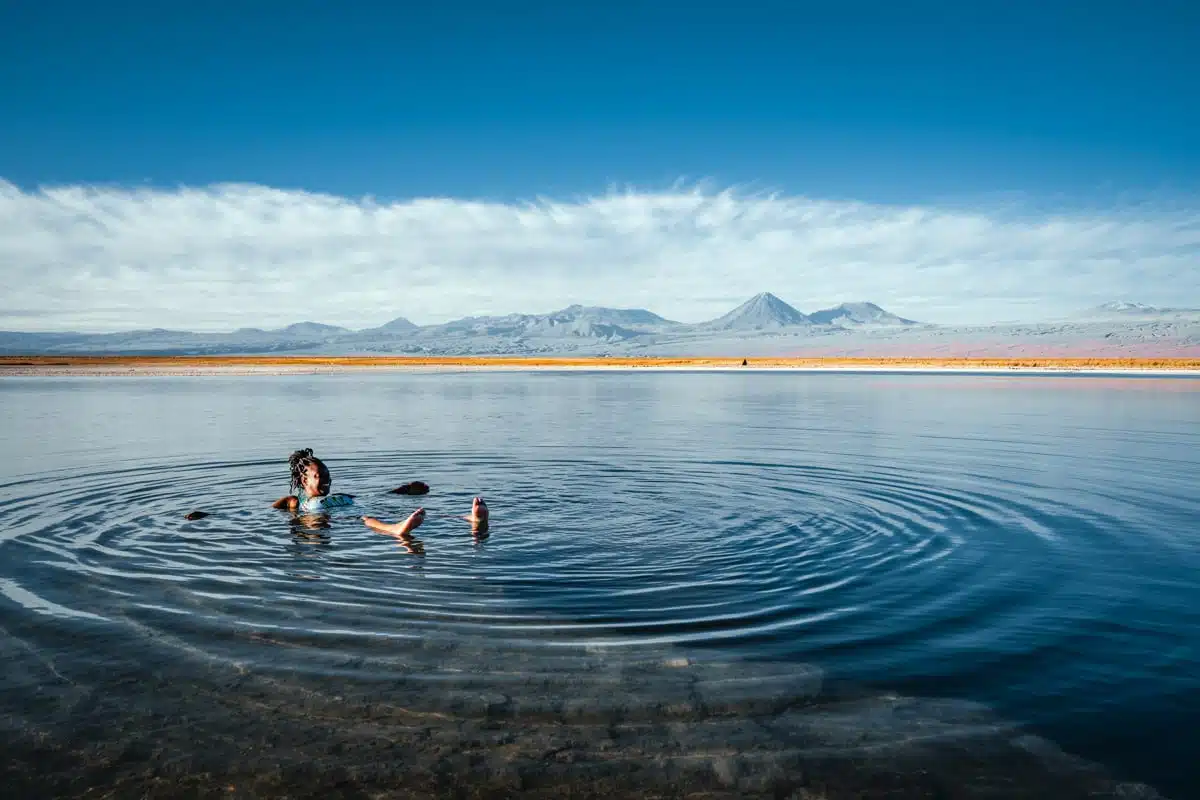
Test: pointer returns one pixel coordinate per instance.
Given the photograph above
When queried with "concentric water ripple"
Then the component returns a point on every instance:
(1020, 556)
(792, 558)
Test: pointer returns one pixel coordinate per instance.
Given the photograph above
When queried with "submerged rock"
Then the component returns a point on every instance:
(415, 487)
(469, 722)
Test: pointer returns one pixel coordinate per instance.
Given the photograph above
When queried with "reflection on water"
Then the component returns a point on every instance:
(310, 526)
(709, 583)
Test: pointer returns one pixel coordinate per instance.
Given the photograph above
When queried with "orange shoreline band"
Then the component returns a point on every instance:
(516, 361)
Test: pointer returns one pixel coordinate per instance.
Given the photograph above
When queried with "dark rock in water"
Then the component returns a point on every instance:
(193, 515)
(416, 487)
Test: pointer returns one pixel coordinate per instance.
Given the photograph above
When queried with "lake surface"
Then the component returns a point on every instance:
(991, 558)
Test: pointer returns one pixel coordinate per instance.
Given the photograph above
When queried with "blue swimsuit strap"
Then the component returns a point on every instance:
(324, 501)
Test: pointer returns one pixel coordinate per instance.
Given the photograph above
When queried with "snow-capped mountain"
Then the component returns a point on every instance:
(764, 311)
(631, 318)
(398, 325)
(857, 315)
(1124, 309)
(311, 329)
(763, 325)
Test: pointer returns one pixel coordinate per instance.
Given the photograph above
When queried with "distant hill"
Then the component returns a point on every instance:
(1124, 309)
(857, 315)
(764, 311)
(633, 318)
(311, 329)
(763, 325)
(398, 325)
(557, 325)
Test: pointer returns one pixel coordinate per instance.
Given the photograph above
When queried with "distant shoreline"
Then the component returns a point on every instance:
(310, 365)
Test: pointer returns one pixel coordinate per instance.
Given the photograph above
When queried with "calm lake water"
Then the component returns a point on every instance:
(982, 557)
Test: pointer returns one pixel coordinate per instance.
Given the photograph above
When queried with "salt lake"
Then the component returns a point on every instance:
(786, 584)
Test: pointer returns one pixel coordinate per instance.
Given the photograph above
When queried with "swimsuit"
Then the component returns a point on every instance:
(322, 502)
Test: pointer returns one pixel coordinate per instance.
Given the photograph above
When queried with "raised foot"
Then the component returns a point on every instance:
(396, 528)
(478, 516)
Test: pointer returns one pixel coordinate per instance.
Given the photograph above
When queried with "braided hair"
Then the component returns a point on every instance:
(299, 461)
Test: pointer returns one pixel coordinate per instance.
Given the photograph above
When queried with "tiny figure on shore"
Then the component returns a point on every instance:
(745, 363)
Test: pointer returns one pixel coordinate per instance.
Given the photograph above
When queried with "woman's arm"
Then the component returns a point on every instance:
(288, 503)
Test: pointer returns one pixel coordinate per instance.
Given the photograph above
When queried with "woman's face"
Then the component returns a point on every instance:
(310, 480)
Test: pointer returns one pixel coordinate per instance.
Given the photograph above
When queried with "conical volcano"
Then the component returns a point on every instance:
(764, 311)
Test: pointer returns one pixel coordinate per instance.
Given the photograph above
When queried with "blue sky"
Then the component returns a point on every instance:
(875, 101)
(1061, 108)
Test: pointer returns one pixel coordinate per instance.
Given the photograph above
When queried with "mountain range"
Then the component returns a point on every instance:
(1125, 310)
(763, 312)
(763, 325)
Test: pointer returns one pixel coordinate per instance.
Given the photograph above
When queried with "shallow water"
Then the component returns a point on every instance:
(1030, 544)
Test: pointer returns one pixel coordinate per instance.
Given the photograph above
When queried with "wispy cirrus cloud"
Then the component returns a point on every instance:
(225, 256)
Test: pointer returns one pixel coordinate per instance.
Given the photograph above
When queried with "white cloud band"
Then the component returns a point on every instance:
(221, 257)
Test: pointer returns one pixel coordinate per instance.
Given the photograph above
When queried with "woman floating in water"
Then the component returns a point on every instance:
(310, 486)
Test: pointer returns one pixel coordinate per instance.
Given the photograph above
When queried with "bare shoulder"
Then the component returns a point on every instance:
(288, 503)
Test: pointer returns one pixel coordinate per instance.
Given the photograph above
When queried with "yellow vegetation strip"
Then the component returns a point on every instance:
(291, 362)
